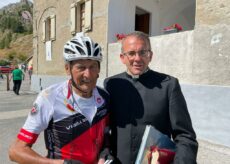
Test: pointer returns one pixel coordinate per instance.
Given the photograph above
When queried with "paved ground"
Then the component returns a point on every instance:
(209, 108)
(14, 109)
(13, 112)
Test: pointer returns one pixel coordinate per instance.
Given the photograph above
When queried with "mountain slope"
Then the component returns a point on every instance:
(16, 32)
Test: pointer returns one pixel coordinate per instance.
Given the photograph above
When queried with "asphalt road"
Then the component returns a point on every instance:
(14, 110)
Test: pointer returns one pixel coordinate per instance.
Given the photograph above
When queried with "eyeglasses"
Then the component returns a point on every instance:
(141, 53)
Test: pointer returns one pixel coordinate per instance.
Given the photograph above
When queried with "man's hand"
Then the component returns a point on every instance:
(101, 161)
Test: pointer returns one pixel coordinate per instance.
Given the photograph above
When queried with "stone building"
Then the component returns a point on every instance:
(55, 22)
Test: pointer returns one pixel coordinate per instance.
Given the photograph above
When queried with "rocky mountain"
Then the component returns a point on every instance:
(16, 28)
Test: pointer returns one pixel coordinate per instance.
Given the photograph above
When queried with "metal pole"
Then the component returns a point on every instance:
(7, 82)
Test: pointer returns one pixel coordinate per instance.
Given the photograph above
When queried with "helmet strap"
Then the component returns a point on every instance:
(73, 82)
(76, 86)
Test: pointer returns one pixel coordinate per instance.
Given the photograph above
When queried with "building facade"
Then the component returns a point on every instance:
(56, 21)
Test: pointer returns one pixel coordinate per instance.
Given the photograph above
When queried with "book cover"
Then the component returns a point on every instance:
(156, 147)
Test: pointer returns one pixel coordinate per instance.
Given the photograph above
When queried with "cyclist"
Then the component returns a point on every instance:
(73, 114)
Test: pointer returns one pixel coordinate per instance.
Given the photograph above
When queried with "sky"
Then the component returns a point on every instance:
(6, 2)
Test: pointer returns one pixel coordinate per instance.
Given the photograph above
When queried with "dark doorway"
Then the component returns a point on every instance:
(142, 20)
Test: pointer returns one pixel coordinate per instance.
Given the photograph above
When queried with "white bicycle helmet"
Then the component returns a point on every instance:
(82, 47)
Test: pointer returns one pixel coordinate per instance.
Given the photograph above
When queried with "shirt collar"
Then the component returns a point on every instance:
(136, 76)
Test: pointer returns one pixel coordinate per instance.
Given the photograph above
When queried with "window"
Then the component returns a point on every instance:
(49, 29)
(80, 14)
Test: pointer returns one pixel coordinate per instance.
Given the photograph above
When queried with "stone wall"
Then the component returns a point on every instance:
(61, 10)
(211, 55)
(212, 12)
(195, 57)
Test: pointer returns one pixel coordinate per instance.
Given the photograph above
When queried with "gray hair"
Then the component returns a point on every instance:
(138, 34)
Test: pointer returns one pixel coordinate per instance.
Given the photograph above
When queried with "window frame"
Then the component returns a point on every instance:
(77, 18)
(49, 29)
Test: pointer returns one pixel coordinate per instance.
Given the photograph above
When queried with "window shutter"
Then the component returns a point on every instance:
(88, 15)
(44, 31)
(53, 27)
(73, 19)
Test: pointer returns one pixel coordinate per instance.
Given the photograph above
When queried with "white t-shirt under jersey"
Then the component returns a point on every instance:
(86, 106)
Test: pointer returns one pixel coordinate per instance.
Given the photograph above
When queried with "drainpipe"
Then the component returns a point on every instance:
(40, 83)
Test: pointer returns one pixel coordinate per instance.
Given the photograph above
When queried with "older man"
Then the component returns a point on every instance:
(74, 114)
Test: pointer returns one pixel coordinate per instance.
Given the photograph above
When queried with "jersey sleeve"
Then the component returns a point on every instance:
(38, 119)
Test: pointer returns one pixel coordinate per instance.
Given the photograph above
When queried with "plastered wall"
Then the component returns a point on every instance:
(195, 57)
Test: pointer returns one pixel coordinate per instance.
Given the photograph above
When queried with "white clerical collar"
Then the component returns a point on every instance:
(136, 76)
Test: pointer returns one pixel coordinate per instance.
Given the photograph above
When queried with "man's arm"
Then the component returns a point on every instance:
(106, 154)
(182, 130)
(21, 152)
(23, 75)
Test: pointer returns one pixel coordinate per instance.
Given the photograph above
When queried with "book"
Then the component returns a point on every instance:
(156, 147)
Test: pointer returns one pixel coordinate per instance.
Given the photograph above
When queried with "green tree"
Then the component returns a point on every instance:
(2, 43)
(14, 36)
(3, 23)
(11, 55)
(20, 28)
(22, 57)
(7, 42)
(4, 62)
(9, 35)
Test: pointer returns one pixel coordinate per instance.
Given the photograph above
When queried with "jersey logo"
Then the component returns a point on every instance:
(99, 100)
(77, 123)
(68, 106)
(34, 110)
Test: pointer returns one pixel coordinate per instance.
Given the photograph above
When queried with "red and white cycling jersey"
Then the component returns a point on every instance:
(68, 133)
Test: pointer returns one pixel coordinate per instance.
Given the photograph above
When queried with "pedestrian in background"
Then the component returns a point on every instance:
(1, 75)
(30, 71)
(17, 76)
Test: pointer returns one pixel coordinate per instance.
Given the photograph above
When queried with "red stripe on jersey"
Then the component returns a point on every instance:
(27, 136)
(87, 146)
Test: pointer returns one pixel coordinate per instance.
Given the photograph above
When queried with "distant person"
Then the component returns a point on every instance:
(17, 76)
(23, 67)
(74, 114)
(141, 96)
(1, 75)
(30, 71)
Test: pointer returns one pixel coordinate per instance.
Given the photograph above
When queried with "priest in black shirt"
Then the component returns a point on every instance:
(140, 97)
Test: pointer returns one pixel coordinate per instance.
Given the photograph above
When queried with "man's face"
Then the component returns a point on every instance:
(84, 74)
(136, 63)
